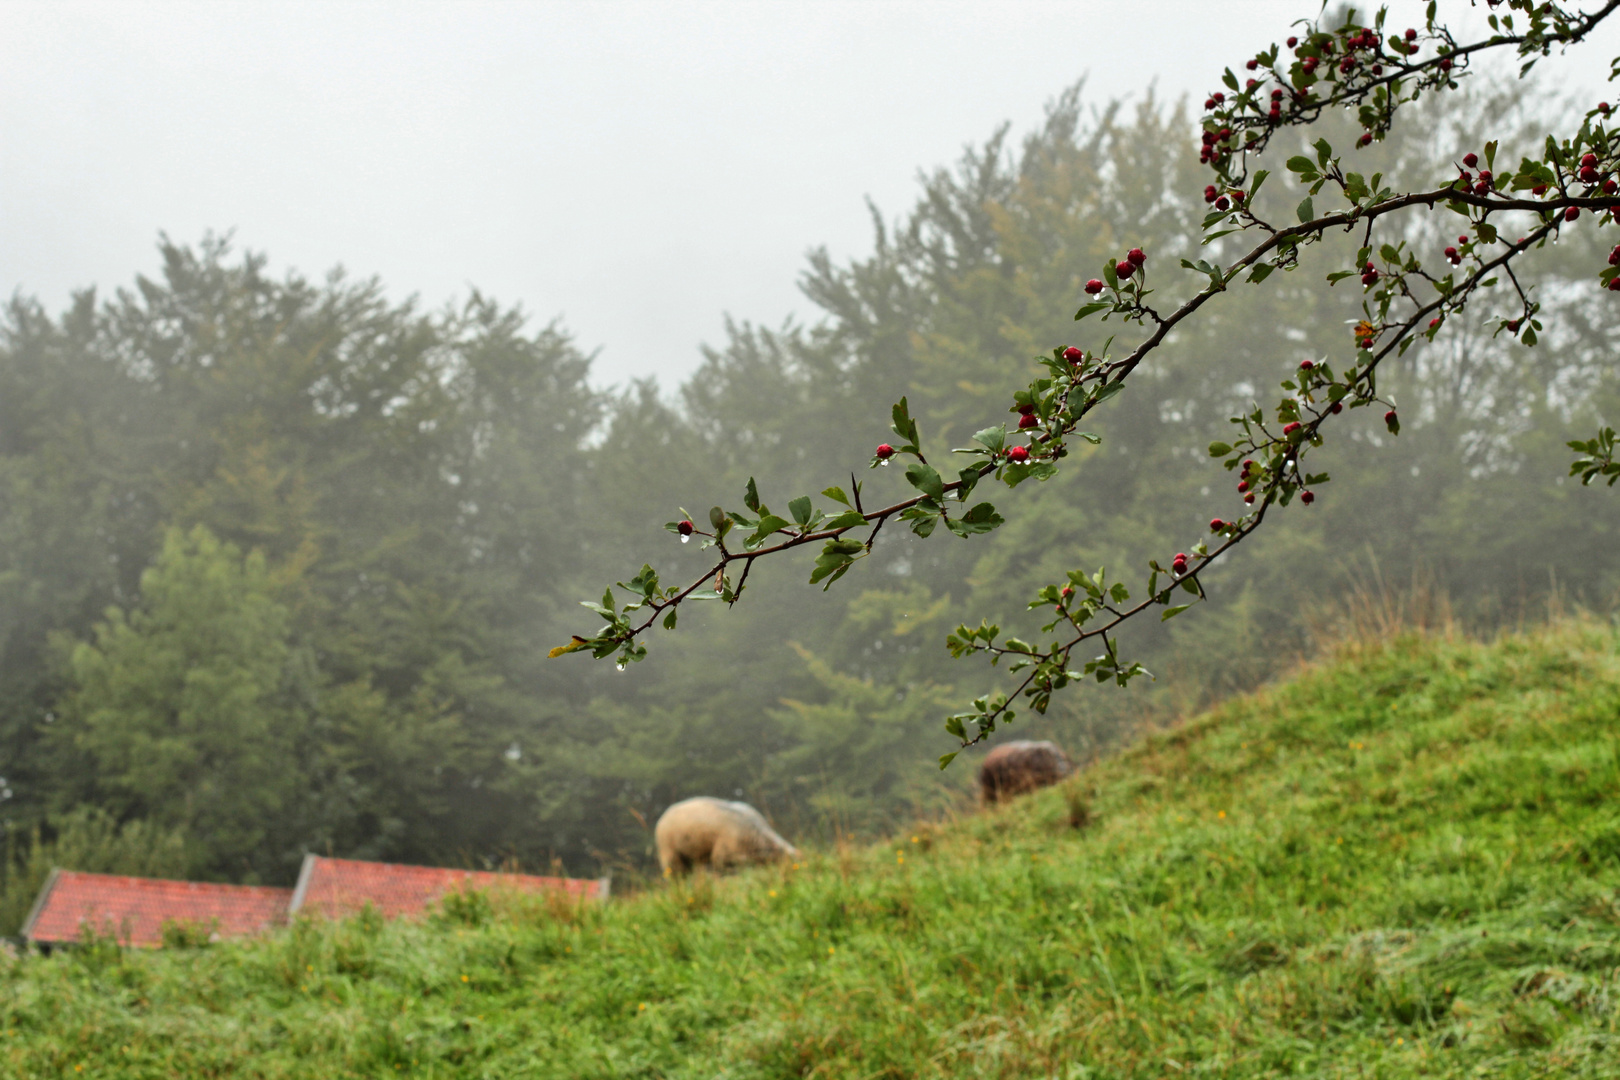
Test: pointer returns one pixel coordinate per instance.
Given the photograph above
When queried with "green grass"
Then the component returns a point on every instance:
(1405, 862)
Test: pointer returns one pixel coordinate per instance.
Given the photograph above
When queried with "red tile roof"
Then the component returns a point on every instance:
(134, 909)
(338, 887)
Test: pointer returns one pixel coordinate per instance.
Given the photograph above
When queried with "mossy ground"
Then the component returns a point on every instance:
(1403, 862)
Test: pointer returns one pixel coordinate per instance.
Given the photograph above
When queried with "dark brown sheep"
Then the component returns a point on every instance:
(1017, 767)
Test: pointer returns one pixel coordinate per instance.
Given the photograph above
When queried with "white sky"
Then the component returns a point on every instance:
(638, 169)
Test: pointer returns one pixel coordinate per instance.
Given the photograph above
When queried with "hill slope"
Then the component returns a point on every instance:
(1406, 862)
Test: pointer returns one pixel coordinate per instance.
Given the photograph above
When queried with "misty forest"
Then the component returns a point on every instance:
(292, 567)
(281, 560)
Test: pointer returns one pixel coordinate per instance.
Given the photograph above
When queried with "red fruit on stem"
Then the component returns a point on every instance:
(1445, 63)
(1572, 213)
(1589, 159)
(684, 528)
(1451, 253)
(1434, 323)
(1243, 485)
(1292, 42)
(1124, 268)
(1588, 174)
(1073, 355)
(1252, 65)
(1216, 524)
(1027, 408)
(1307, 497)
(1462, 239)
(1028, 420)
(1290, 428)
(1603, 107)
(884, 450)
(1135, 256)
(1614, 285)
(1249, 498)
(1336, 408)
(1094, 286)
(1470, 159)
(1222, 203)
(1389, 417)
(1017, 455)
(1610, 186)
(1539, 189)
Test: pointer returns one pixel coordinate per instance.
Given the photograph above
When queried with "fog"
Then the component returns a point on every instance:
(638, 170)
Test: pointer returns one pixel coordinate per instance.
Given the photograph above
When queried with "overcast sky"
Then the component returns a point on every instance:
(637, 169)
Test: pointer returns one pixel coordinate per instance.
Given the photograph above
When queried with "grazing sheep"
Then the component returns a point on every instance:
(1017, 767)
(717, 833)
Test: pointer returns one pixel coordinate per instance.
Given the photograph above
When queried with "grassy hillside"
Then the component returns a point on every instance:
(1403, 863)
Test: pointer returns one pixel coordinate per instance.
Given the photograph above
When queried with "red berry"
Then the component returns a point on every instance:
(1248, 463)
(1292, 42)
(1572, 213)
(1237, 197)
(884, 450)
(1610, 187)
(1451, 253)
(1411, 35)
(1588, 174)
(1289, 429)
(1307, 497)
(1027, 408)
(1216, 524)
(1614, 256)
(1094, 286)
(1135, 257)
(1252, 65)
(1470, 159)
(1603, 107)
(1249, 498)
(1513, 326)
(1434, 323)
(1370, 277)
(684, 528)
(1462, 239)
(1222, 204)
(1068, 591)
(1336, 408)
(1614, 285)
(1445, 63)
(1389, 417)
(1243, 485)
(1365, 140)
(1539, 189)
(1306, 365)
(1589, 159)
(1073, 355)
(1028, 420)
(1018, 455)
(1124, 268)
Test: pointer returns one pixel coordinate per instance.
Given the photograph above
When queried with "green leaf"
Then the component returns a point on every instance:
(904, 425)
(800, 509)
(926, 479)
(717, 518)
(1219, 449)
(1301, 164)
(1170, 613)
(751, 497)
(669, 620)
(836, 494)
(1305, 210)
(768, 524)
(992, 438)
(981, 519)
(849, 519)
(1261, 272)
(947, 759)
(1254, 188)
(1091, 309)
(1110, 275)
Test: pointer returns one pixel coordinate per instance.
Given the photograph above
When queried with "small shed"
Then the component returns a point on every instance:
(338, 887)
(134, 910)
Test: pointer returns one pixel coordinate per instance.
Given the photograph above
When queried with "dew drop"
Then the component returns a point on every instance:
(685, 539)
(883, 464)
(621, 665)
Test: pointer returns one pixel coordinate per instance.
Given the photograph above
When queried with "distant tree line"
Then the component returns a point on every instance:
(281, 561)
